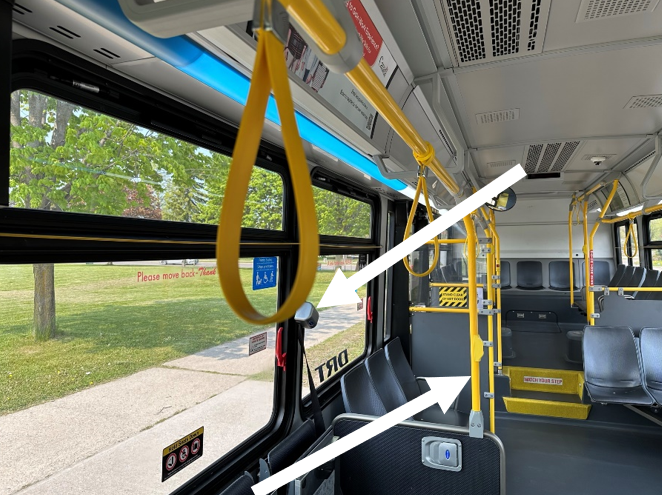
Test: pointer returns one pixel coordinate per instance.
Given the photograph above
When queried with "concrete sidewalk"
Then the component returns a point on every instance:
(108, 439)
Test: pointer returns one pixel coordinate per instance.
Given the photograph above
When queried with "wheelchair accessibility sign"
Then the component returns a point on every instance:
(264, 272)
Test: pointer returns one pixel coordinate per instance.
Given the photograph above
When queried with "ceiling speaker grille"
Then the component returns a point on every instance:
(498, 116)
(505, 17)
(567, 151)
(548, 157)
(468, 29)
(645, 101)
(107, 53)
(599, 9)
(533, 24)
(502, 164)
(532, 158)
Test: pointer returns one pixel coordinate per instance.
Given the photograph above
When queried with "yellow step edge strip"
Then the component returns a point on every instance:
(552, 408)
(555, 381)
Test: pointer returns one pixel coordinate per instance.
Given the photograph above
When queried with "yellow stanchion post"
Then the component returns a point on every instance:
(587, 273)
(490, 325)
(572, 291)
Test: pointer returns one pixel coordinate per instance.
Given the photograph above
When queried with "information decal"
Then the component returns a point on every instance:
(257, 343)
(265, 271)
(334, 88)
(180, 454)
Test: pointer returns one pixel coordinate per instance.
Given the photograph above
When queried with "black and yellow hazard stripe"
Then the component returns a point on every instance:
(453, 297)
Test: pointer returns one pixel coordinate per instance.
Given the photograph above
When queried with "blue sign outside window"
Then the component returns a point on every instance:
(264, 272)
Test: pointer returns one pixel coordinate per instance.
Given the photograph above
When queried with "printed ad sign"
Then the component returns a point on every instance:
(334, 88)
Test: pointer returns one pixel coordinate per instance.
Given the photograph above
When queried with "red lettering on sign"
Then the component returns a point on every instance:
(590, 266)
(370, 37)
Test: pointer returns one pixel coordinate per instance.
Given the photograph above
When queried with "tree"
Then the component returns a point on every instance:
(341, 215)
(68, 158)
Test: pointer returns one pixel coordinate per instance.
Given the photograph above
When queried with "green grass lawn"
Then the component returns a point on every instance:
(111, 325)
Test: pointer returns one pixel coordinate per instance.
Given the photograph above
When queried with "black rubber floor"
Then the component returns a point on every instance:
(541, 350)
(544, 458)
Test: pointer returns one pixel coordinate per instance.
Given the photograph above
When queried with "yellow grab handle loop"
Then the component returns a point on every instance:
(425, 158)
(635, 243)
(269, 71)
(421, 186)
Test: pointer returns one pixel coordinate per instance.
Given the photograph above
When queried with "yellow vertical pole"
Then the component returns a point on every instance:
(475, 341)
(590, 243)
(497, 272)
(572, 291)
(587, 268)
(490, 325)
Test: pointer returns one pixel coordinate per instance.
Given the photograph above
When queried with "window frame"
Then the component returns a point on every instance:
(35, 236)
(650, 245)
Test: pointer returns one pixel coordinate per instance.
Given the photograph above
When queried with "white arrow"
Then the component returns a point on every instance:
(442, 390)
(342, 290)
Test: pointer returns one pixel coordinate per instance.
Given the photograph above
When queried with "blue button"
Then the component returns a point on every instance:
(448, 454)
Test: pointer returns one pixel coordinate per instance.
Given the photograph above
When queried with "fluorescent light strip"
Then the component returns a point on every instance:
(187, 56)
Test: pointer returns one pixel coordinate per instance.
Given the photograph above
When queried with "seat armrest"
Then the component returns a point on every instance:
(422, 384)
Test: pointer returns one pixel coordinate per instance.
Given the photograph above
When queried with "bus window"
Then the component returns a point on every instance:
(65, 157)
(655, 238)
(112, 362)
(628, 255)
(340, 335)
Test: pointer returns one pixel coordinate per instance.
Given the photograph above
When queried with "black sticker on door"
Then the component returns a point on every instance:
(181, 453)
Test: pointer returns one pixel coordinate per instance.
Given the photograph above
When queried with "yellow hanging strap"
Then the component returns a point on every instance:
(631, 235)
(269, 72)
(421, 187)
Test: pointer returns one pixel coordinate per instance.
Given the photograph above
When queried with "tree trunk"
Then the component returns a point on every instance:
(43, 326)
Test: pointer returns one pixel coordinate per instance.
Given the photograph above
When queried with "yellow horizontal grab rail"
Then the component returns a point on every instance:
(447, 241)
(318, 22)
(425, 309)
(269, 72)
(451, 284)
(589, 192)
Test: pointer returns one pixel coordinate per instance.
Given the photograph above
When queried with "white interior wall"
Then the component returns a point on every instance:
(539, 229)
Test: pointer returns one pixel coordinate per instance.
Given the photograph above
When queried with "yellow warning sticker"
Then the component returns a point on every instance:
(453, 297)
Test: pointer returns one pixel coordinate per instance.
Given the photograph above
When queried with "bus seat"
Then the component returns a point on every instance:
(600, 272)
(559, 275)
(292, 447)
(612, 369)
(656, 296)
(649, 281)
(529, 275)
(625, 277)
(650, 343)
(617, 276)
(505, 275)
(636, 279)
(396, 359)
(359, 394)
(395, 356)
(385, 381)
(241, 486)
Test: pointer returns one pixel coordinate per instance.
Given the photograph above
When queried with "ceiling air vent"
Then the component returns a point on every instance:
(19, 9)
(591, 10)
(498, 116)
(467, 28)
(645, 101)
(63, 31)
(505, 24)
(502, 164)
(549, 158)
(533, 24)
(487, 30)
(107, 53)
(563, 158)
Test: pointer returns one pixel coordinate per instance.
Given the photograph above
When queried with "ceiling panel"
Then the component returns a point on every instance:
(564, 97)
(563, 30)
